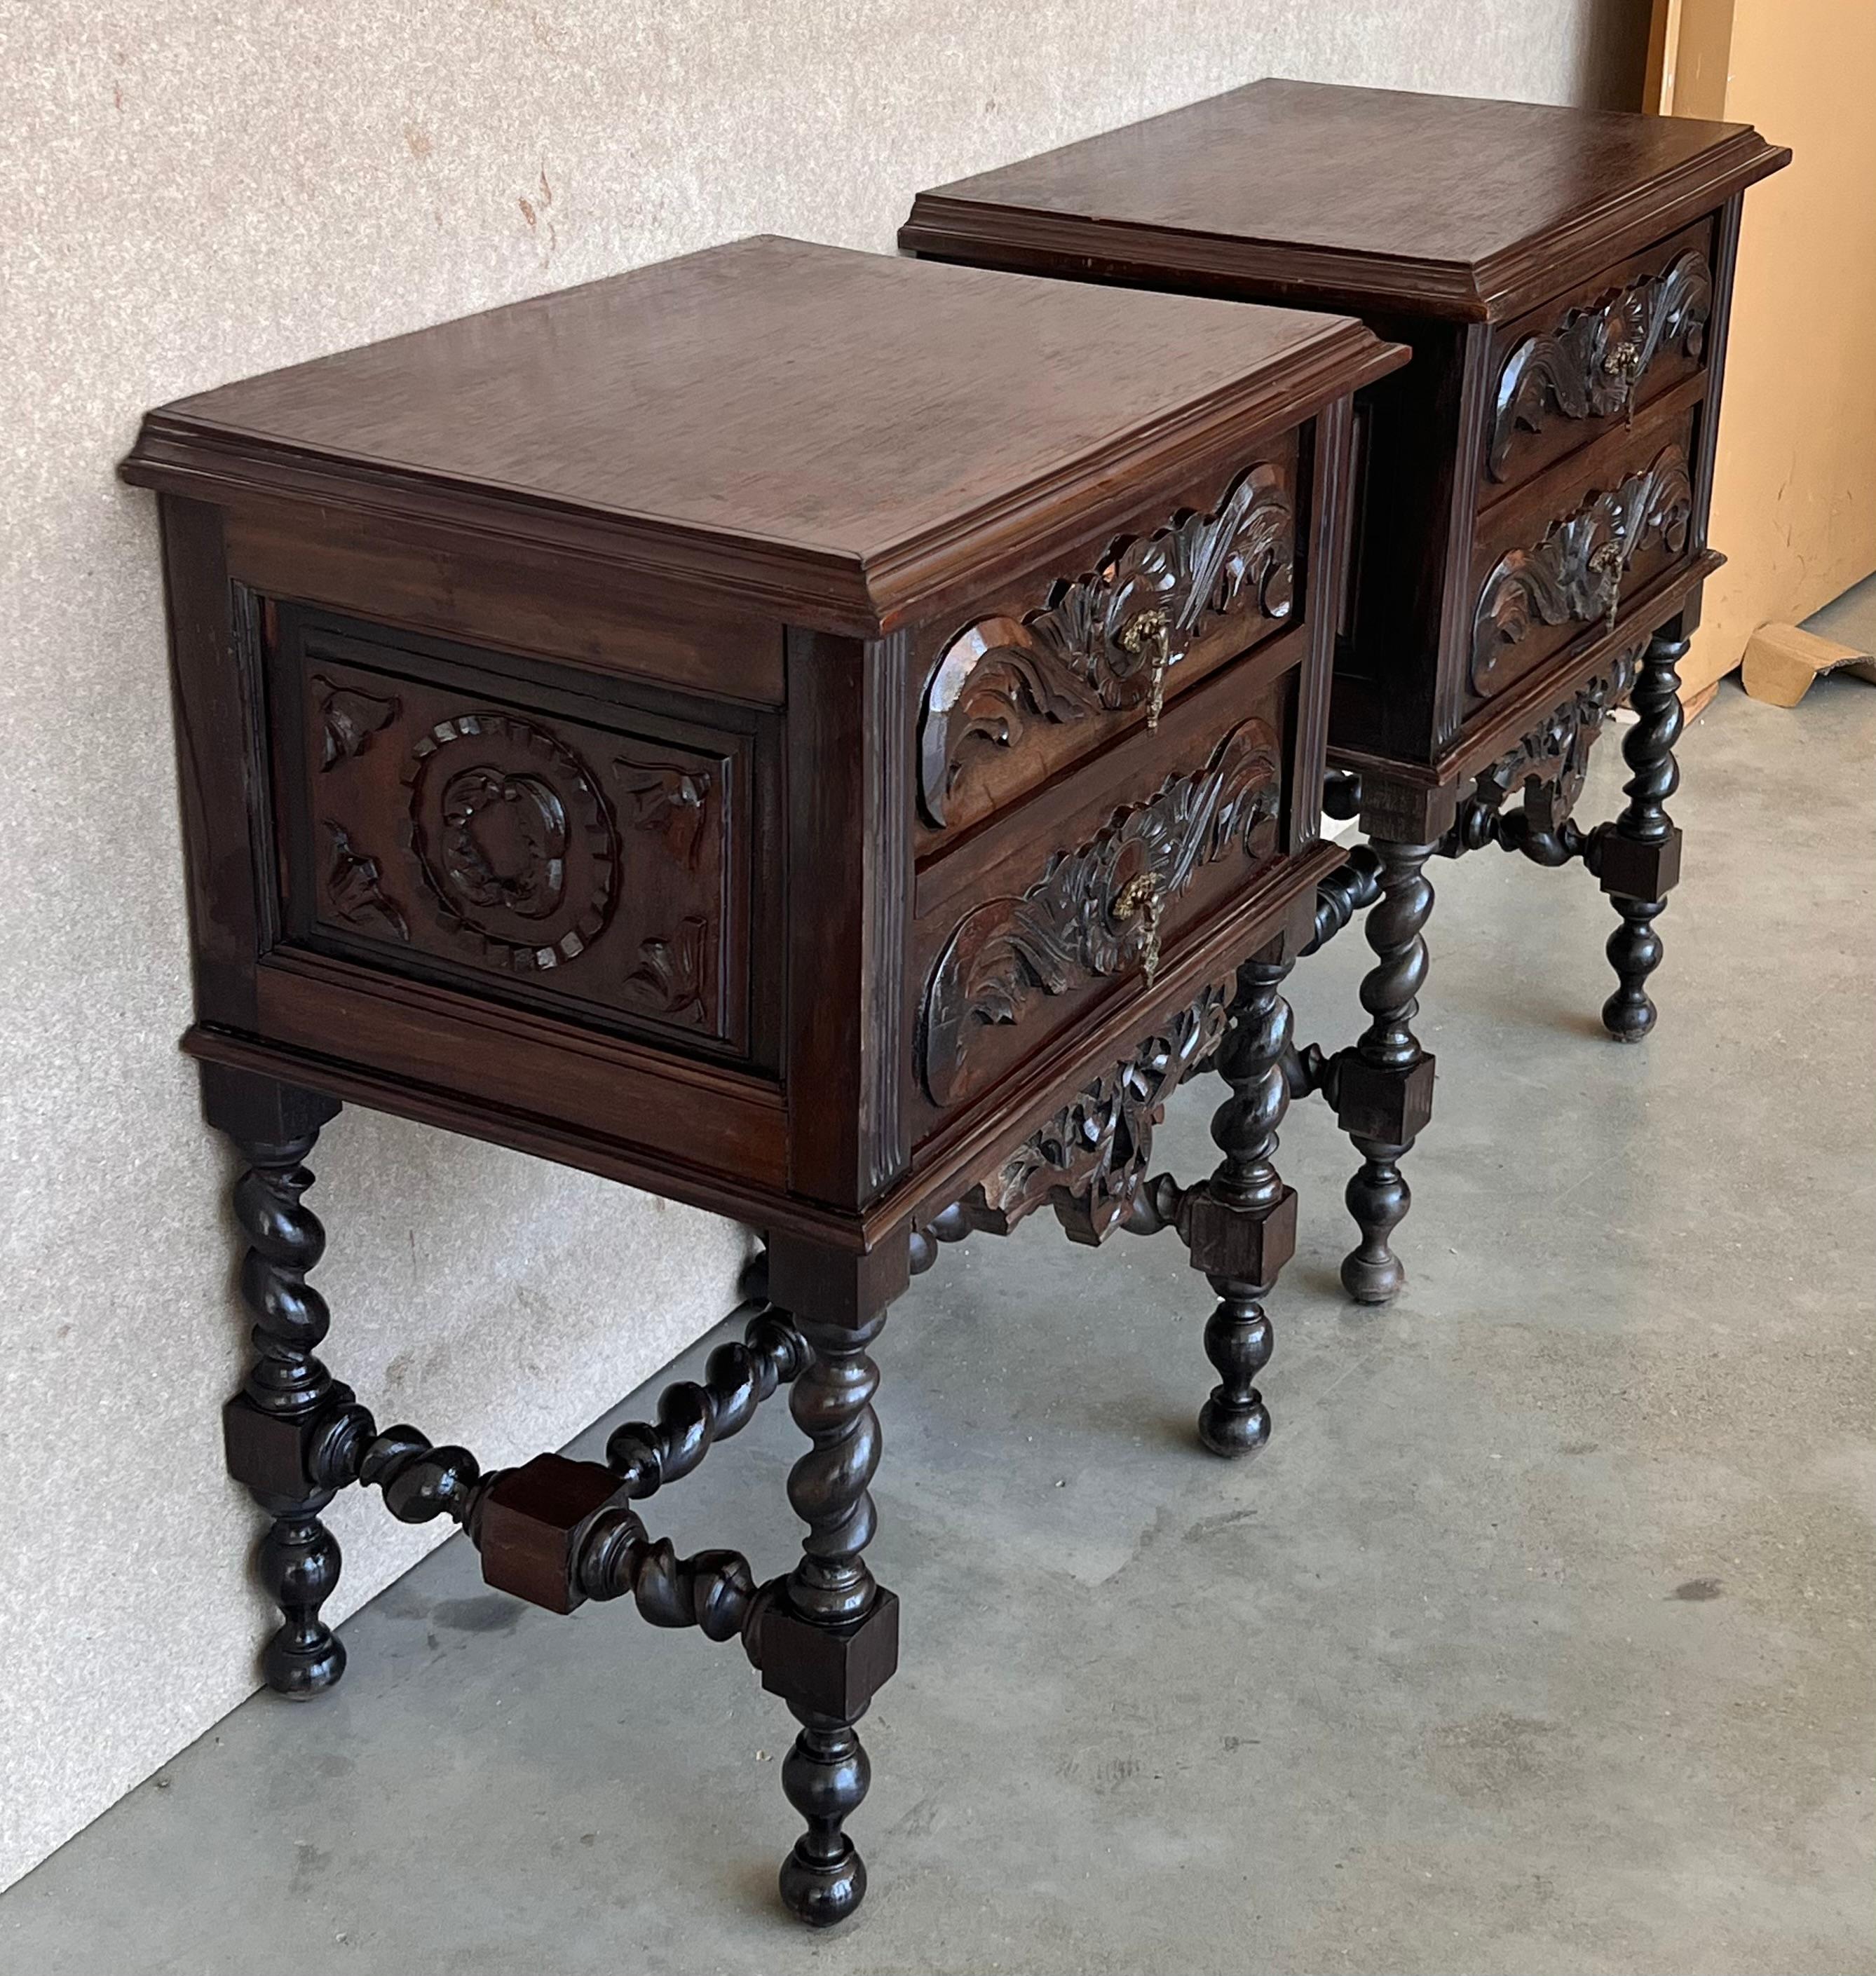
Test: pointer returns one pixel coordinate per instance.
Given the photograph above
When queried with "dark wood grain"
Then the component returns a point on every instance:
(1464, 206)
(849, 848)
(1638, 856)
(1177, 832)
(1562, 558)
(1242, 1228)
(865, 428)
(220, 749)
(474, 836)
(520, 597)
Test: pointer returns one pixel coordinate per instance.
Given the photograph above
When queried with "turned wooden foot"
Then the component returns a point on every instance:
(1378, 1197)
(298, 1562)
(1385, 1082)
(1634, 952)
(1242, 1230)
(1638, 856)
(1234, 1420)
(824, 1777)
(288, 1390)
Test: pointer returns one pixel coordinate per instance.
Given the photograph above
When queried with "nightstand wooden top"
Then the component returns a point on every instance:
(817, 425)
(1448, 203)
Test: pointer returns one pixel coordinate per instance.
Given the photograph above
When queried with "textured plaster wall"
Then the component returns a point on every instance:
(195, 192)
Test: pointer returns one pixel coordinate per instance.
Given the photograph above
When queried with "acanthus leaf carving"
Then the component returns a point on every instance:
(669, 798)
(1575, 573)
(1095, 911)
(355, 884)
(1103, 642)
(669, 979)
(349, 719)
(1088, 1161)
(1556, 751)
(1591, 364)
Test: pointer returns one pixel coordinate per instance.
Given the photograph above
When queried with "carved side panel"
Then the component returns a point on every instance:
(1576, 574)
(1106, 644)
(1594, 362)
(1101, 909)
(468, 835)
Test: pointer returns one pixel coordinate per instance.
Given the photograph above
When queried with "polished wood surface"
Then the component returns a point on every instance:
(1462, 205)
(773, 415)
(825, 738)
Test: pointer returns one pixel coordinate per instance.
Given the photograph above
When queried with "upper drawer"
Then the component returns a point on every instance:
(1564, 559)
(1064, 660)
(1565, 374)
(496, 834)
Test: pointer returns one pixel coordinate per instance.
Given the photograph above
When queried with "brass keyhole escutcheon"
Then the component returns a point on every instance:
(1623, 363)
(1606, 562)
(1141, 897)
(1155, 625)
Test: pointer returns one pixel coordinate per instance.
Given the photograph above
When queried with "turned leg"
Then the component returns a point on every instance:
(829, 1639)
(1242, 1230)
(274, 1127)
(1385, 1082)
(1638, 856)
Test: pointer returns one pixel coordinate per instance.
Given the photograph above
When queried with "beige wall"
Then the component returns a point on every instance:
(1794, 477)
(198, 191)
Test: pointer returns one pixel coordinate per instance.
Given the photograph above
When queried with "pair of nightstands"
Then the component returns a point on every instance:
(836, 740)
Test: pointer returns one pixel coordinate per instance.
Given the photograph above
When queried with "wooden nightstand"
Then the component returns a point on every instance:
(821, 737)
(1532, 489)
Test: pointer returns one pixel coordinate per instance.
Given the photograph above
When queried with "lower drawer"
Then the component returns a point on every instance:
(1553, 565)
(1088, 889)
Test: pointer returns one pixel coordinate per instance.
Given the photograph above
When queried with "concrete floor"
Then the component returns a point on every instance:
(1539, 1639)
(1850, 619)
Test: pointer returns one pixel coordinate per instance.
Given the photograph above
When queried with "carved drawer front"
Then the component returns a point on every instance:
(1564, 562)
(1089, 891)
(1577, 367)
(1069, 660)
(443, 821)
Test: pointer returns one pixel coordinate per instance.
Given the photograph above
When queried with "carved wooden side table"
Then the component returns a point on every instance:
(721, 728)
(1532, 490)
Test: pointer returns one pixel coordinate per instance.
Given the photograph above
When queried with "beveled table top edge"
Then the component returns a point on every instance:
(816, 585)
(949, 221)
